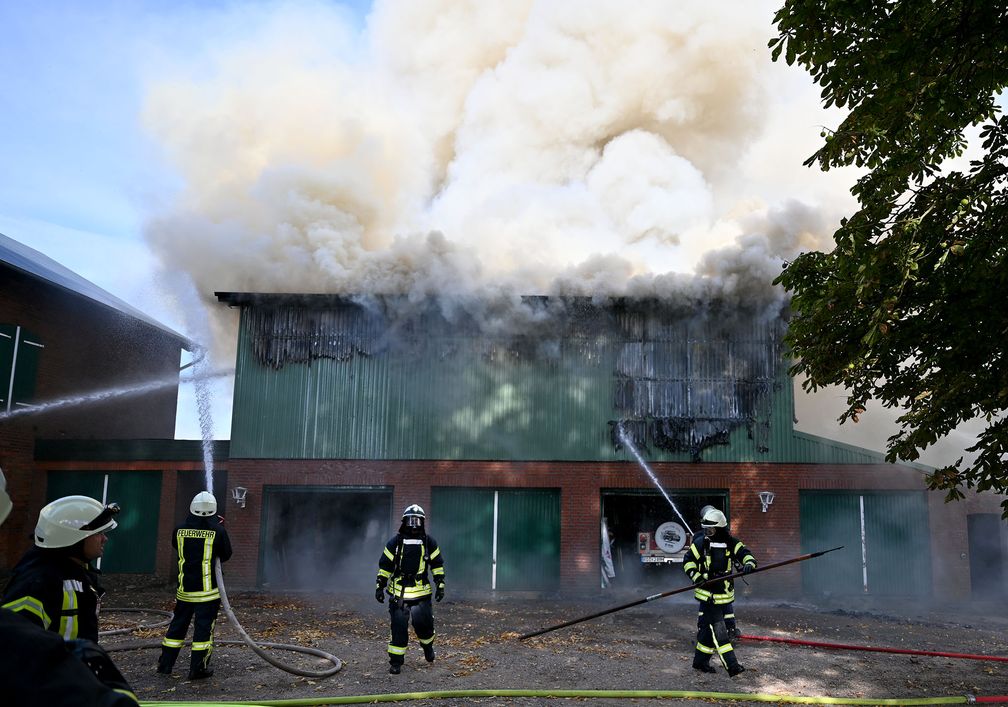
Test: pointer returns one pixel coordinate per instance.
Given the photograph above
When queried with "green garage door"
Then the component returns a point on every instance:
(887, 549)
(132, 545)
(525, 526)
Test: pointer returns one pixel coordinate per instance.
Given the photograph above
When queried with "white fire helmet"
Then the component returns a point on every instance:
(5, 502)
(203, 504)
(713, 518)
(68, 520)
(414, 511)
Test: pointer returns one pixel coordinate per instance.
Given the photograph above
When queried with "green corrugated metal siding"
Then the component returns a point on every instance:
(899, 556)
(131, 546)
(462, 523)
(466, 397)
(897, 548)
(528, 537)
(829, 520)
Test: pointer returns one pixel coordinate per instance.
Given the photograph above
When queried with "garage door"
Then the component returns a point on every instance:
(887, 548)
(323, 538)
(132, 545)
(498, 539)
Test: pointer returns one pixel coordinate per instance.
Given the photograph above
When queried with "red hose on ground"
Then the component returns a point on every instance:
(907, 651)
(992, 698)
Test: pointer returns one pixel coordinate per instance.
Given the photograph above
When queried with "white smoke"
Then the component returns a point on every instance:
(490, 148)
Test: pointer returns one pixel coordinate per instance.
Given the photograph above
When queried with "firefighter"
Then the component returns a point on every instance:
(729, 609)
(402, 573)
(37, 667)
(54, 584)
(710, 557)
(198, 542)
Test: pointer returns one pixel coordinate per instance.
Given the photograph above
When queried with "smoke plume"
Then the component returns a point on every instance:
(471, 151)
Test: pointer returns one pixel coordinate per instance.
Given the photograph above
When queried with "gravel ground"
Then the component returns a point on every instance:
(648, 647)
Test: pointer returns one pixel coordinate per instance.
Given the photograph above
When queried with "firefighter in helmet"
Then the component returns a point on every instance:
(709, 558)
(402, 574)
(198, 542)
(39, 667)
(54, 584)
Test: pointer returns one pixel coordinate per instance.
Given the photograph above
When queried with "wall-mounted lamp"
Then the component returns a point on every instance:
(766, 498)
(238, 493)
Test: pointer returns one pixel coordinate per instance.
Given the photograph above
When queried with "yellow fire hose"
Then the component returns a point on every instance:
(609, 694)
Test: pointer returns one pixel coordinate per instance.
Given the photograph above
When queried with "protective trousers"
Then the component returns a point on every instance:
(712, 637)
(205, 614)
(422, 615)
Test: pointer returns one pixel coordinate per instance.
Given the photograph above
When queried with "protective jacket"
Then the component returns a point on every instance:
(39, 668)
(708, 558)
(198, 542)
(404, 565)
(57, 592)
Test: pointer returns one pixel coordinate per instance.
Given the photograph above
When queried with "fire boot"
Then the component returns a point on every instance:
(428, 652)
(165, 664)
(735, 669)
(200, 674)
(701, 662)
(395, 668)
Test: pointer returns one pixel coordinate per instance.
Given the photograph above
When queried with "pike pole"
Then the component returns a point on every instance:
(800, 558)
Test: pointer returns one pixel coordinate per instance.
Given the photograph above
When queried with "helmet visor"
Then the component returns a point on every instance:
(104, 520)
(413, 522)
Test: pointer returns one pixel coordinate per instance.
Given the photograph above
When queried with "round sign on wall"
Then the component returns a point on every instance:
(670, 537)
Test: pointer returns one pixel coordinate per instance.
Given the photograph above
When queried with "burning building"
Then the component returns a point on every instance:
(589, 428)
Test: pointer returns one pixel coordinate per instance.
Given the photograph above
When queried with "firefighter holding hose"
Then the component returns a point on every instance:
(198, 542)
(403, 575)
(708, 559)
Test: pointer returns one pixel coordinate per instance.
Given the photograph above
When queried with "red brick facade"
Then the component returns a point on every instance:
(89, 347)
(773, 535)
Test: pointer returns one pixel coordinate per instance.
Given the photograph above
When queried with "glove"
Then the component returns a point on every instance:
(439, 592)
(379, 594)
(747, 568)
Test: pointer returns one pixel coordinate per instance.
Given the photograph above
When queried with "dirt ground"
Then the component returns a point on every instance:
(648, 647)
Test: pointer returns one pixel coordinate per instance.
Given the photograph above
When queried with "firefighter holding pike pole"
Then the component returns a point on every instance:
(709, 560)
(672, 592)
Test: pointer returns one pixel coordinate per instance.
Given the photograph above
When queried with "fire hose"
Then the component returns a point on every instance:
(875, 649)
(601, 694)
(256, 646)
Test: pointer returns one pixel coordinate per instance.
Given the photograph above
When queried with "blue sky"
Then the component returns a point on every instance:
(79, 173)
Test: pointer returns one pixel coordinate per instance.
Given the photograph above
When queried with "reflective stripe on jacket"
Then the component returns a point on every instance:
(57, 592)
(404, 565)
(197, 544)
(709, 557)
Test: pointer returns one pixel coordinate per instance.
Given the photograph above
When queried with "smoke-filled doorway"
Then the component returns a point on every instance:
(647, 538)
(323, 538)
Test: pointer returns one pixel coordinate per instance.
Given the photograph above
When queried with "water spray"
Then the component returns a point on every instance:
(625, 439)
(201, 386)
(169, 381)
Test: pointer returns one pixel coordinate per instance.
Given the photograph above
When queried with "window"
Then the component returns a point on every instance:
(19, 356)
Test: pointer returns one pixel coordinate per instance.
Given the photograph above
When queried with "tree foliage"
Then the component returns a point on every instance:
(910, 308)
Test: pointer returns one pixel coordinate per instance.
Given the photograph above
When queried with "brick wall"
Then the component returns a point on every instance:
(773, 536)
(88, 347)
